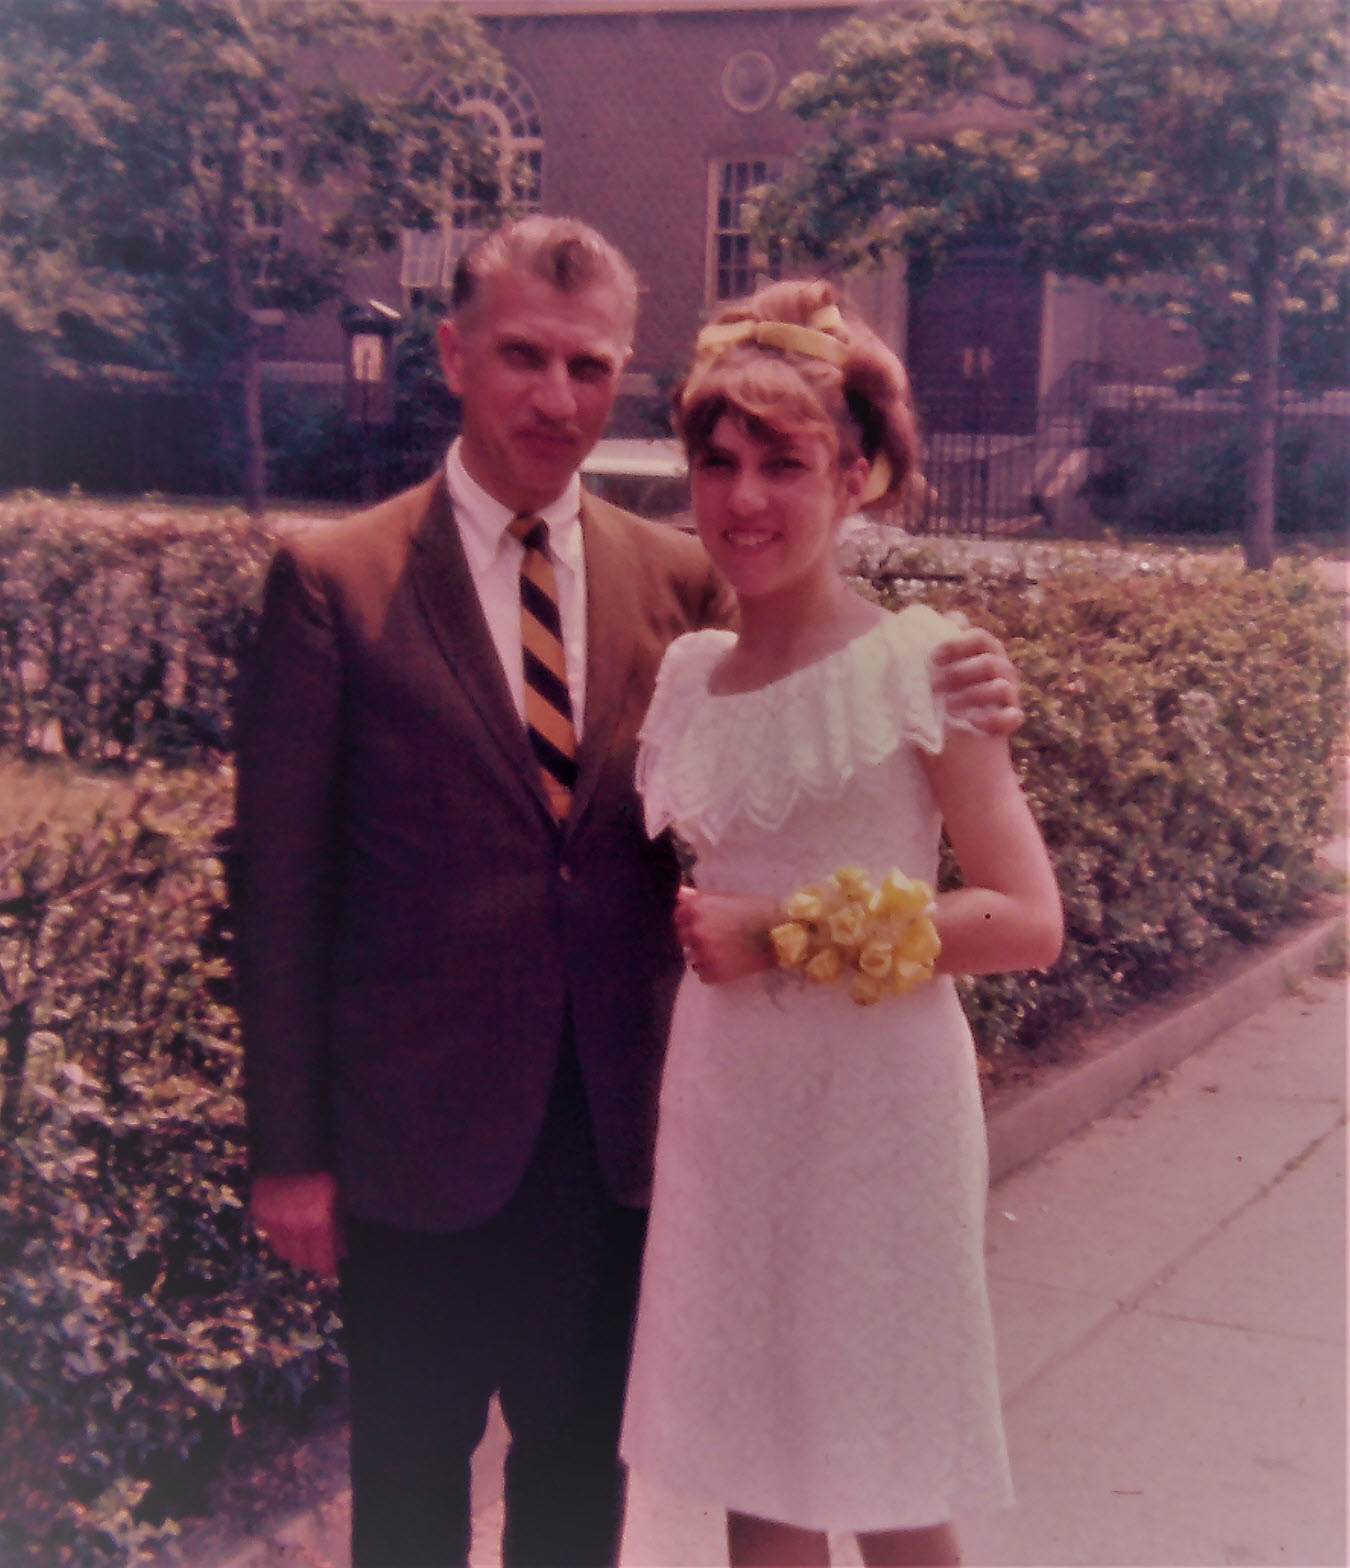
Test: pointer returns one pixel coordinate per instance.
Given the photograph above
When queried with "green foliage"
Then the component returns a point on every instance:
(135, 136)
(1131, 144)
(426, 412)
(1228, 194)
(120, 628)
(1145, 484)
(313, 449)
(1189, 156)
(172, 166)
(1184, 723)
(877, 179)
(143, 1328)
(316, 451)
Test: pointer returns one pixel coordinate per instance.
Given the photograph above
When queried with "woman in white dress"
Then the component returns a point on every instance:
(814, 1350)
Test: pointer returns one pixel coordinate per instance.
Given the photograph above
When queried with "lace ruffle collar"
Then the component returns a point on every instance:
(704, 760)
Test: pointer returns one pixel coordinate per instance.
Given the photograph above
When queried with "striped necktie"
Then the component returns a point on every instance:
(548, 704)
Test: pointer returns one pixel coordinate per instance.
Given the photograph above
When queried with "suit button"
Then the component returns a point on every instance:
(565, 872)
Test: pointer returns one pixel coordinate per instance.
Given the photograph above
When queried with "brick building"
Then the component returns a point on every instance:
(651, 119)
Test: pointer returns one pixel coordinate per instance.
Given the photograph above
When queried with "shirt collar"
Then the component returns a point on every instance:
(483, 520)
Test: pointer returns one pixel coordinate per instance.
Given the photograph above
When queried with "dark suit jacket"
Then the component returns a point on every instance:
(413, 928)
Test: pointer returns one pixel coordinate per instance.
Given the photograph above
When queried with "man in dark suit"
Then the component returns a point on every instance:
(456, 952)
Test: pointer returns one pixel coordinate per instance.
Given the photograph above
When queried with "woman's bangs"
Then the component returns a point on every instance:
(768, 397)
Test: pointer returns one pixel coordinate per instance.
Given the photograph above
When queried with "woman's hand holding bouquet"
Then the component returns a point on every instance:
(882, 938)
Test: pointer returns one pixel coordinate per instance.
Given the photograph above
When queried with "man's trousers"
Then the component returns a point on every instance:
(537, 1305)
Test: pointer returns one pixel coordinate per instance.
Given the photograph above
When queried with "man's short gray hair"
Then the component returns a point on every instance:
(565, 253)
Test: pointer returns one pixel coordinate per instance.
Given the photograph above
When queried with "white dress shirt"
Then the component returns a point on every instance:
(494, 559)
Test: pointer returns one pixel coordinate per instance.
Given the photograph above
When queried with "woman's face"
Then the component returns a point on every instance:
(768, 510)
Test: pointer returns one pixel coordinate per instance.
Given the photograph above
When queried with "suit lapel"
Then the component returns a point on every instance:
(445, 591)
(610, 575)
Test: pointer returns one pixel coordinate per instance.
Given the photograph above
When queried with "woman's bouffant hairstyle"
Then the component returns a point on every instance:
(836, 376)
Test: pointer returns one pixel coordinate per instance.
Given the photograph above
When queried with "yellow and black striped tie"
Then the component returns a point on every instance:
(548, 703)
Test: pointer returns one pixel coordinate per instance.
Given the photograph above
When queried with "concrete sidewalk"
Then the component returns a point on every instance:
(1169, 1290)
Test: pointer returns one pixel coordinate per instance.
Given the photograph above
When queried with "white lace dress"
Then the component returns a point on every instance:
(814, 1343)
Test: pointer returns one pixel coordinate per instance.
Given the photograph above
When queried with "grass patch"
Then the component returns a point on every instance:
(54, 793)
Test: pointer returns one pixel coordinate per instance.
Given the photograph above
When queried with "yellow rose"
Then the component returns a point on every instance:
(876, 957)
(848, 926)
(806, 904)
(902, 895)
(920, 942)
(853, 882)
(790, 942)
(825, 968)
(867, 989)
(909, 976)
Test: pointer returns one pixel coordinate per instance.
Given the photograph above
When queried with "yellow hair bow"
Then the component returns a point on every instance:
(878, 480)
(813, 339)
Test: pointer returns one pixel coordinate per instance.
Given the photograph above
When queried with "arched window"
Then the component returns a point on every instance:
(508, 114)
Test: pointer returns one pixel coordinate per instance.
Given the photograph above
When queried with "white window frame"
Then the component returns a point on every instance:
(734, 266)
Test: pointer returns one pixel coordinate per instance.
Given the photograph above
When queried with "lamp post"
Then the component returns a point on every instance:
(369, 378)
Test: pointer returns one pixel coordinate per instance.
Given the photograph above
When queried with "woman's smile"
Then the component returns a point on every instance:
(749, 539)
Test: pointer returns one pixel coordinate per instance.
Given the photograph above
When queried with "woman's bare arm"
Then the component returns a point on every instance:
(1008, 914)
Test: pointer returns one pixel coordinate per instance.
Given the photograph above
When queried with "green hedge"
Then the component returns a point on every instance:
(120, 626)
(1183, 715)
(1183, 725)
(143, 1328)
(1147, 481)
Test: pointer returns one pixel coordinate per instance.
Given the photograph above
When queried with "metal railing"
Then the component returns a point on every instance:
(978, 483)
(1008, 474)
(989, 482)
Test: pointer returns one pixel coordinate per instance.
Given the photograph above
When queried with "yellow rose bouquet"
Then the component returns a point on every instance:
(883, 937)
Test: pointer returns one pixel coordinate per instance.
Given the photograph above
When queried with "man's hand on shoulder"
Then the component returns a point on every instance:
(979, 681)
(297, 1216)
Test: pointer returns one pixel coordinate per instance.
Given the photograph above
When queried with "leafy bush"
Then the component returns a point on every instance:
(1183, 724)
(120, 628)
(1182, 715)
(1147, 482)
(314, 450)
(143, 1328)
(1185, 718)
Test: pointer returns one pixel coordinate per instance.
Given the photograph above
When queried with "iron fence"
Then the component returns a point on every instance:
(986, 482)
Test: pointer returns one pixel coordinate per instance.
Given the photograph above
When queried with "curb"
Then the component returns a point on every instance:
(1030, 1123)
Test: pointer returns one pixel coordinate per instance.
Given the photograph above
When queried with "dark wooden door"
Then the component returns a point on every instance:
(975, 344)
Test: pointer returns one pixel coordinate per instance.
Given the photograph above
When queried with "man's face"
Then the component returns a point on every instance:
(536, 372)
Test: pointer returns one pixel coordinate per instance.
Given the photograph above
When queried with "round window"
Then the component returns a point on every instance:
(748, 80)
